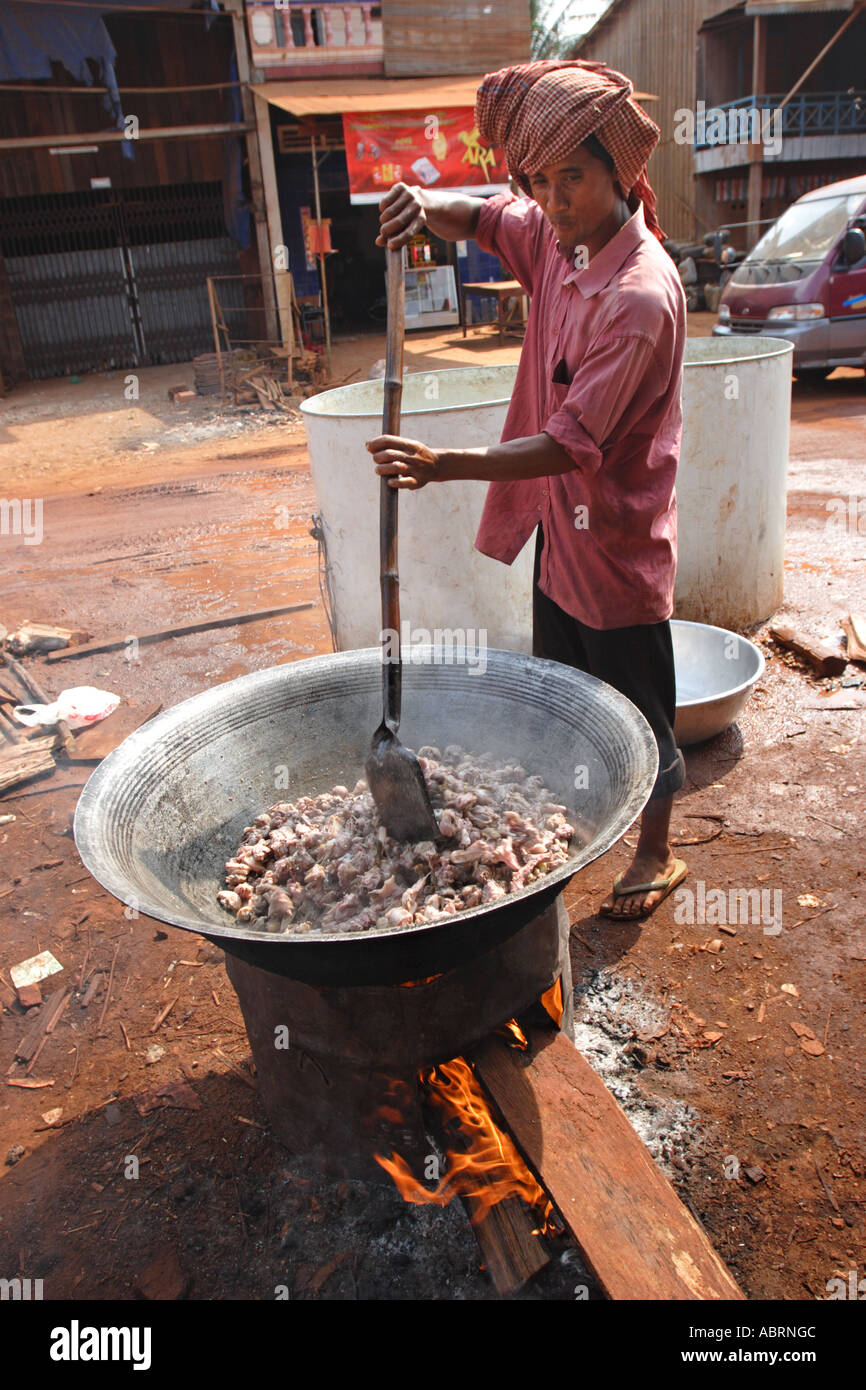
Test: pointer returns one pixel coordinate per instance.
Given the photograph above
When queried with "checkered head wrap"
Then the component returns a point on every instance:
(539, 112)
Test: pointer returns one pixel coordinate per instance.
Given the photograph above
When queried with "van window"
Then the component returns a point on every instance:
(806, 231)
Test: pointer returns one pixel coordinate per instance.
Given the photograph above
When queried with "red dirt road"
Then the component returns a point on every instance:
(699, 1031)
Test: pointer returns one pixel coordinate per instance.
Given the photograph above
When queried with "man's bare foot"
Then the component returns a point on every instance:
(646, 867)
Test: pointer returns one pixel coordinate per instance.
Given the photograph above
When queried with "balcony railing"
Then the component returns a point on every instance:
(807, 114)
(326, 37)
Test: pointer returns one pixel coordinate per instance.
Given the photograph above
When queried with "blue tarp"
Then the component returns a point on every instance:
(34, 36)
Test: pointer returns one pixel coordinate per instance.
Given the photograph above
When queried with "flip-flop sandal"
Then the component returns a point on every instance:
(675, 877)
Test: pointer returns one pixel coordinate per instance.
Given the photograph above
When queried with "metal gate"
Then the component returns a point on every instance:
(116, 277)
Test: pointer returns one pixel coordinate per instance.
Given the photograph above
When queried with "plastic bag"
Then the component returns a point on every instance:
(80, 706)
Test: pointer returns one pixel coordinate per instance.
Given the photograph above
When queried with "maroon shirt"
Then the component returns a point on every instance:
(601, 373)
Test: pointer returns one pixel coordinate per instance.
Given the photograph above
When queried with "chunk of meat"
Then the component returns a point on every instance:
(326, 863)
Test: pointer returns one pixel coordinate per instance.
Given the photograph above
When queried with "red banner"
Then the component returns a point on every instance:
(430, 149)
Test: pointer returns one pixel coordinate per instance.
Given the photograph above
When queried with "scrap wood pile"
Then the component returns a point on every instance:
(271, 376)
(32, 750)
(260, 377)
(24, 754)
(827, 660)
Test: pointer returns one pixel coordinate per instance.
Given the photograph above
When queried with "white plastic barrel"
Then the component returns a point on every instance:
(730, 491)
(444, 582)
(732, 480)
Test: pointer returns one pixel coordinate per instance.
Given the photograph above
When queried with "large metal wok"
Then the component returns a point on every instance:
(160, 816)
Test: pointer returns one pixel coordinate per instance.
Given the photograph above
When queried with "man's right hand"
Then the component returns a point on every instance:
(401, 216)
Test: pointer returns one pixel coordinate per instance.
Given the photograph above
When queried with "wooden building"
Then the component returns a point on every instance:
(803, 58)
(799, 64)
(107, 234)
(400, 60)
(119, 199)
(656, 46)
(396, 38)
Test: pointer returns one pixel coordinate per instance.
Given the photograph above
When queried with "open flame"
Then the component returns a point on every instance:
(551, 1001)
(483, 1166)
(514, 1035)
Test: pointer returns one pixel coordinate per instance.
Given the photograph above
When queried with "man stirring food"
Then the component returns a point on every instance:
(589, 452)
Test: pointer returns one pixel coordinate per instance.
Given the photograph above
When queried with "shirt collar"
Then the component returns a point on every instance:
(609, 259)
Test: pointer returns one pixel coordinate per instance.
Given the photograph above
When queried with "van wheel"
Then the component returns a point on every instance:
(812, 373)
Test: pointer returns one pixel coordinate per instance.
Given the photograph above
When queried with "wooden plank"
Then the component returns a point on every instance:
(96, 742)
(855, 635)
(29, 681)
(827, 660)
(32, 637)
(512, 1254)
(637, 1238)
(26, 760)
(271, 196)
(28, 1045)
(254, 167)
(113, 137)
(144, 638)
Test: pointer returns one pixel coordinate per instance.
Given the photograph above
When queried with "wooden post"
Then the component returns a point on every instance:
(211, 299)
(221, 324)
(290, 366)
(275, 221)
(756, 152)
(322, 276)
(260, 215)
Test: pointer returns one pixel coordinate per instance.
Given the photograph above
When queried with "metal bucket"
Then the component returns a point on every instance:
(716, 672)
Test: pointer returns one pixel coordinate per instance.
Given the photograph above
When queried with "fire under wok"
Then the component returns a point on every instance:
(160, 816)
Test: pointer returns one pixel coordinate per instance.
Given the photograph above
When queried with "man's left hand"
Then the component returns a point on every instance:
(406, 463)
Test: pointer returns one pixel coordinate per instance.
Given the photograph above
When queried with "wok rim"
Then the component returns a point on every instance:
(308, 408)
(86, 819)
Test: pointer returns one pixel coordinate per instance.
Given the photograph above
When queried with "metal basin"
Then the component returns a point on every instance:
(162, 813)
(716, 671)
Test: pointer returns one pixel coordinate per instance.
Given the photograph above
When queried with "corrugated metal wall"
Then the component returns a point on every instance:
(435, 37)
(73, 311)
(656, 45)
(13, 368)
(116, 278)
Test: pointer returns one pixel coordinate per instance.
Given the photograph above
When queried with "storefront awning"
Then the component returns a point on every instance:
(368, 94)
(333, 97)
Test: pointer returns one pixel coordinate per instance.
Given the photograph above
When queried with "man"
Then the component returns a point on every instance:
(591, 439)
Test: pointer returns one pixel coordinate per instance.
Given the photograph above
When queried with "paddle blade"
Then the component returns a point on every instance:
(399, 790)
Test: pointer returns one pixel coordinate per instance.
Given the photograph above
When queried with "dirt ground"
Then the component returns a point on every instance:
(738, 1053)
